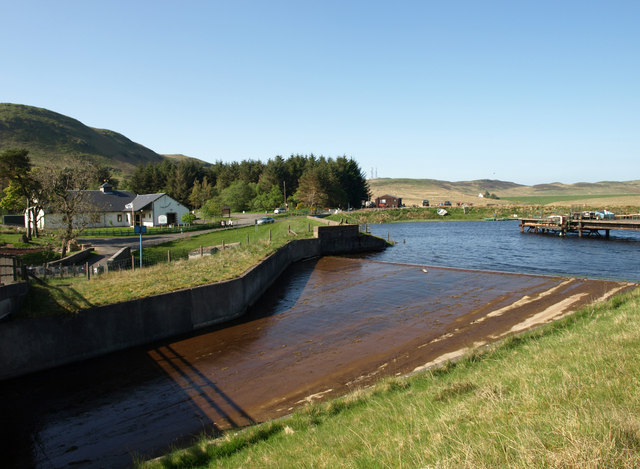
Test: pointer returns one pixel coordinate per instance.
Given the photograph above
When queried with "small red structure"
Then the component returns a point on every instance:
(388, 201)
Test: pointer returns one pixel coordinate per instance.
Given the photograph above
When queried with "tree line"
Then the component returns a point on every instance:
(298, 181)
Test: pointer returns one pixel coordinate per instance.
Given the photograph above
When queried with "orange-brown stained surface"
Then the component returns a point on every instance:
(330, 325)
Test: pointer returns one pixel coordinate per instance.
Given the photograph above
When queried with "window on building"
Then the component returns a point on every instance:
(119, 217)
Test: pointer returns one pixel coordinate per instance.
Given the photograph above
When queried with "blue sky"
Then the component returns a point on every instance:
(524, 91)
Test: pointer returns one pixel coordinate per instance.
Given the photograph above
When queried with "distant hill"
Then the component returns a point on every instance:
(179, 157)
(49, 136)
(413, 191)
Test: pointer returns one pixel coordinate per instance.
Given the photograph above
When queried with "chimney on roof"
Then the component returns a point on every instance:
(106, 188)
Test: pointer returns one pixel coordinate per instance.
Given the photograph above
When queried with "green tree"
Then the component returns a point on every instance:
(188, 218)
(313, 187)
(238, 196)
(273, 174)
(212, 208)
(267, 200)
(226, 174)
(201, 192)
(103, 174)
(250, 171)
(352, 186)
(15, 167)
(13, 199)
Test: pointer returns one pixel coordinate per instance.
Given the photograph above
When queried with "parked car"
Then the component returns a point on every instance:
(264, 220)
(605, 215)
(280, 210)
(447, 203)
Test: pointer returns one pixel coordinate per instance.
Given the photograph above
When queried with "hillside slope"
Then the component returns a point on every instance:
(413, 191)
(49, 136)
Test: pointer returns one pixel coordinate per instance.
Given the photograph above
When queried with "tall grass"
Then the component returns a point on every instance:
(565, 395)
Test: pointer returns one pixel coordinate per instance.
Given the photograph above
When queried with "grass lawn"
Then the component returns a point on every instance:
(13, 238)
(9, 238)
(70, 295)
(36, 252)
(302, 227)
(564, 395)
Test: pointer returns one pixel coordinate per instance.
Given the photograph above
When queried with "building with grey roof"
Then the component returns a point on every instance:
(107, 207)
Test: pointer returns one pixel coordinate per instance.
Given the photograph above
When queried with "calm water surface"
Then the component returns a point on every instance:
(499, 246)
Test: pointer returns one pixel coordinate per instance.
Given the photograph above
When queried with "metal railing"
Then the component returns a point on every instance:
(59, 271)
(124, 232)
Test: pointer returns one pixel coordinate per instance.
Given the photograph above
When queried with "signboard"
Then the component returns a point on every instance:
(162, 219)
(140, 229)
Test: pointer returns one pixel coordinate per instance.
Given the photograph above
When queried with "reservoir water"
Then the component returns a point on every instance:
(327, 326)
(499, 246)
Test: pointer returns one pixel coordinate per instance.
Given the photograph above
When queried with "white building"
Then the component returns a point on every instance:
(109, 207)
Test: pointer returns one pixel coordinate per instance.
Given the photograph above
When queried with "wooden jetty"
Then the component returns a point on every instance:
(576, 223)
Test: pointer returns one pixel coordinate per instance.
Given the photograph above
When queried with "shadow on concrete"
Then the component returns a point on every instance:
(205, 393)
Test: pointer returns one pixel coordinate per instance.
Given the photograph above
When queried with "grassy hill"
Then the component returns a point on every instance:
(180, 157)
(49, 136)
(413, 191)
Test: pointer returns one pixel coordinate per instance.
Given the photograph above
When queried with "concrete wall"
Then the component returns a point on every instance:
(121, 259)
(11, 297)
(75, 258)
(323, 220)
(29, 345)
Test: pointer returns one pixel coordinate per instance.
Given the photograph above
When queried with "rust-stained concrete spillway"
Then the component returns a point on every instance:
(328, 326)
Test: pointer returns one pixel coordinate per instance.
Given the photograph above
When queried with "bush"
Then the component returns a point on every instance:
(188, 218)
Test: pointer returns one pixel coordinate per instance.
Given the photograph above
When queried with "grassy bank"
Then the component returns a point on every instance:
(70, 295)
(371, 216)
(430, 213)
(564, 395)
